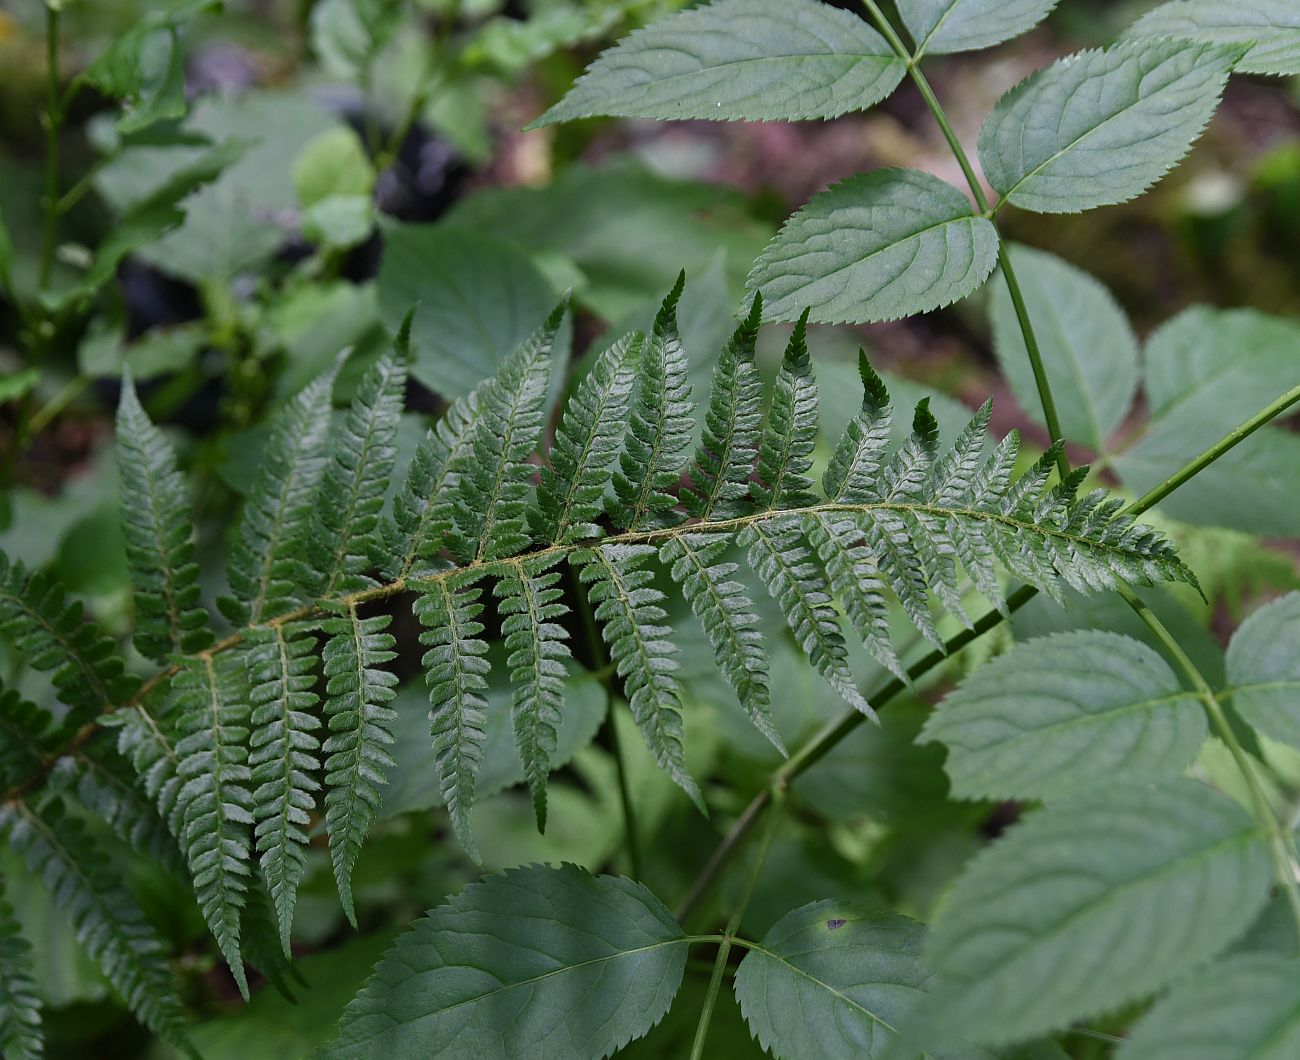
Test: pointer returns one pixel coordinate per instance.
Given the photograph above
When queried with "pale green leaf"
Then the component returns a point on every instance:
(944, 26)
(877, 246)
(1093, 903)
(1271, 28)
(1088, 347)
(1100, 127)
(1264, 669)
(832, 979)
(747, 60)
(1247, 1008)
(537, 962)
(1207, 370)
(1055, 713)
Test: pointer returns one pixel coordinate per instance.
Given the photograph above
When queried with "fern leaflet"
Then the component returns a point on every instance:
(20, 1006)
(785, 452)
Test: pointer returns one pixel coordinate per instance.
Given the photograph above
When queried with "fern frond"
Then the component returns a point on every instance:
(261, 943)
(284, 757)
(358, 693)
(455, 671)
(20, 1005)
(159, 536)
(851, 474)
(265, 572)
(659, 431)
(104, 916)
(630, 611)
(724, 460)
(214, 801)
(790, 436)
(495, 475)
(571, 491)
(778, 553)
(345, 538)
(52, 633)
(728, 617)
(529, 604)
(424, 508)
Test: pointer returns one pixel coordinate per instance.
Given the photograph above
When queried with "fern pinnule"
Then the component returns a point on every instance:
(455, 671)
(357, 696)
(850, 476)
(159, 536)
(724, 609)
(27, 736)
(214, 801)
(724, 459)
(571, 490)
(284, 756)
(655, 448)
(530, 606)
(20, 1004)
(495, 475)
(790, 435)
(265, 569)
(630, 609)
(345, 540)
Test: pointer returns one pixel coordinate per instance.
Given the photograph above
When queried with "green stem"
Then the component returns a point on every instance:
(600, 663)
(41, 418)
(729, 932)
(53, 123)
(1041, 381)
(1279, 843)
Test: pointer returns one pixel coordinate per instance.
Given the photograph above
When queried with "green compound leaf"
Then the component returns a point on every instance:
(1264, 669)
(877, 246)
(1247, 1008)
(1090, 904)
(537, 962)
(739, 60)
(1270, 29)
(941, 27)
(832, 980)
(1088, 346)
(1055, 713)
(1100, 127)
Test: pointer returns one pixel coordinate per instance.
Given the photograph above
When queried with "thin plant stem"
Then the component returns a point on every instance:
(599, 659)
(67, 394)
(738, 914)
(1041, 382)
(53, 123)
(1279, 844)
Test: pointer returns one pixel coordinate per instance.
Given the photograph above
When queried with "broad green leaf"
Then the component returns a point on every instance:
(1055, 713)
(1264, 669)
(333, 163)
(1247, 1008)
(944, 26)
(1101, 127)
(347, 35)
(747, 60)
(1088, 347)
(877, 246)
(476, 299)
(1090, 904)
(1207, 370)
(1271, 29)
(538, 962)
(627, 231)
(832, 979)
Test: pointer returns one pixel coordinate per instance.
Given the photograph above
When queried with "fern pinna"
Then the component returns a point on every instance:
(230, 756)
